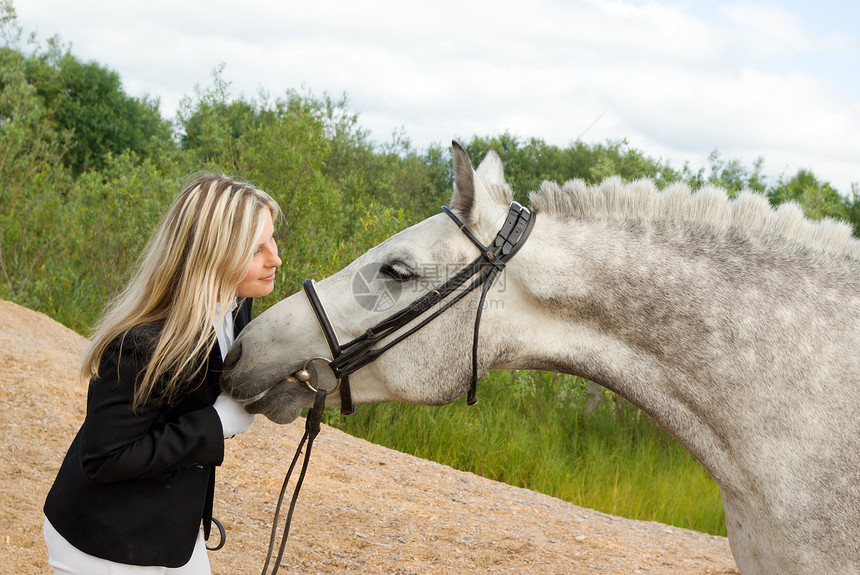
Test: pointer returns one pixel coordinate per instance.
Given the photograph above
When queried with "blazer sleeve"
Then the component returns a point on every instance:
(119, 441)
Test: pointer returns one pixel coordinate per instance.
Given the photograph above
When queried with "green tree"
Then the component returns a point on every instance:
(110, 216)
(287, 159)
(730, 175)
(853, 205)
(33, 183)
(89, 104)
(392, 175)
(818, 199)
(529, 163)
(211, 121)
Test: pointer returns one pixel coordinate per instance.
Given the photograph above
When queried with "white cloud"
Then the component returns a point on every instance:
(676, 80)
(766, 31)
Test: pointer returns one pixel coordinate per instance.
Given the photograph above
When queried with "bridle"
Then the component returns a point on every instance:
(362, 350)
(357, 353)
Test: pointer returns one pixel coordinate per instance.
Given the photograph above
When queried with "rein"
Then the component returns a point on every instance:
(312, 429)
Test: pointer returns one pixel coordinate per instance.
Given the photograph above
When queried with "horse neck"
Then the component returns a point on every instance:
(689, 324)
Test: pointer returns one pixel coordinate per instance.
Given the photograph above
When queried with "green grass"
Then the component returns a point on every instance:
(530, 429)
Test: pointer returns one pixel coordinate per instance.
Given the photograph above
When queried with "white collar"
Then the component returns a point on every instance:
(224, 328)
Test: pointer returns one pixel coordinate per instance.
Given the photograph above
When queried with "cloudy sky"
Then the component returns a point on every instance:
(778, 79)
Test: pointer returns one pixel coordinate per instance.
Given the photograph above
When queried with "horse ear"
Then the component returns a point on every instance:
(472, 189)
(491, 169)
(463, 199)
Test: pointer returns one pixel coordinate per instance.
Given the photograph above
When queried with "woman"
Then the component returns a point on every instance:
(138, 479)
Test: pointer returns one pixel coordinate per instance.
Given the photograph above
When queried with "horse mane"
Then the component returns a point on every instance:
(710, 205)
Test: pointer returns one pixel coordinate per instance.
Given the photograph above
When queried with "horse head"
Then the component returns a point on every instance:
(431, 366)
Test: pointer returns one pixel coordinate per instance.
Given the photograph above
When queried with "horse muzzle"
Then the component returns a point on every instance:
(314, 375)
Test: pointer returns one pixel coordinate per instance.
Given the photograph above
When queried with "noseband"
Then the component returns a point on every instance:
(362, 350)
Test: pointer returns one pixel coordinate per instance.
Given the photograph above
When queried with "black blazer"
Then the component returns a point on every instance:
(136, 483)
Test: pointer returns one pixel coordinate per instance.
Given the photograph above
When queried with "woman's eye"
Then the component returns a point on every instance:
(396, 271)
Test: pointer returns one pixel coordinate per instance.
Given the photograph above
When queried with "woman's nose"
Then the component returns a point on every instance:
(274, 259)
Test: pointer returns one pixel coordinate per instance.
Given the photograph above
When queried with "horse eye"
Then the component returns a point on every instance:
(396, 271)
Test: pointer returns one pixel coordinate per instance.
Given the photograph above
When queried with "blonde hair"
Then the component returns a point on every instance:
(196, 259)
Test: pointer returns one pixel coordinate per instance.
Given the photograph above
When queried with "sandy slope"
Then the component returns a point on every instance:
(363, 509)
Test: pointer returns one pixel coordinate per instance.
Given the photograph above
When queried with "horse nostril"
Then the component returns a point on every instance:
(233, 355)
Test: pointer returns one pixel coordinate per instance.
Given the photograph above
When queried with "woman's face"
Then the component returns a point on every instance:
(260, 277)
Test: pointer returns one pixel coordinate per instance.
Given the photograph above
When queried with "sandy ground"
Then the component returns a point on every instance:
(363, 508)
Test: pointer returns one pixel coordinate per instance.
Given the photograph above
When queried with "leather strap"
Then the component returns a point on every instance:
(312, 429)
(362, 350)
(510, 238)
(346, 406)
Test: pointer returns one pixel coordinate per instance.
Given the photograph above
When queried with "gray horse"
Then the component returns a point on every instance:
(733, 325)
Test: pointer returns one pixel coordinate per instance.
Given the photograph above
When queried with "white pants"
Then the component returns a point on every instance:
(66, 559)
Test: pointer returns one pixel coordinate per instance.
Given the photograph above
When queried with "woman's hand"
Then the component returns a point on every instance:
(234, 418)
